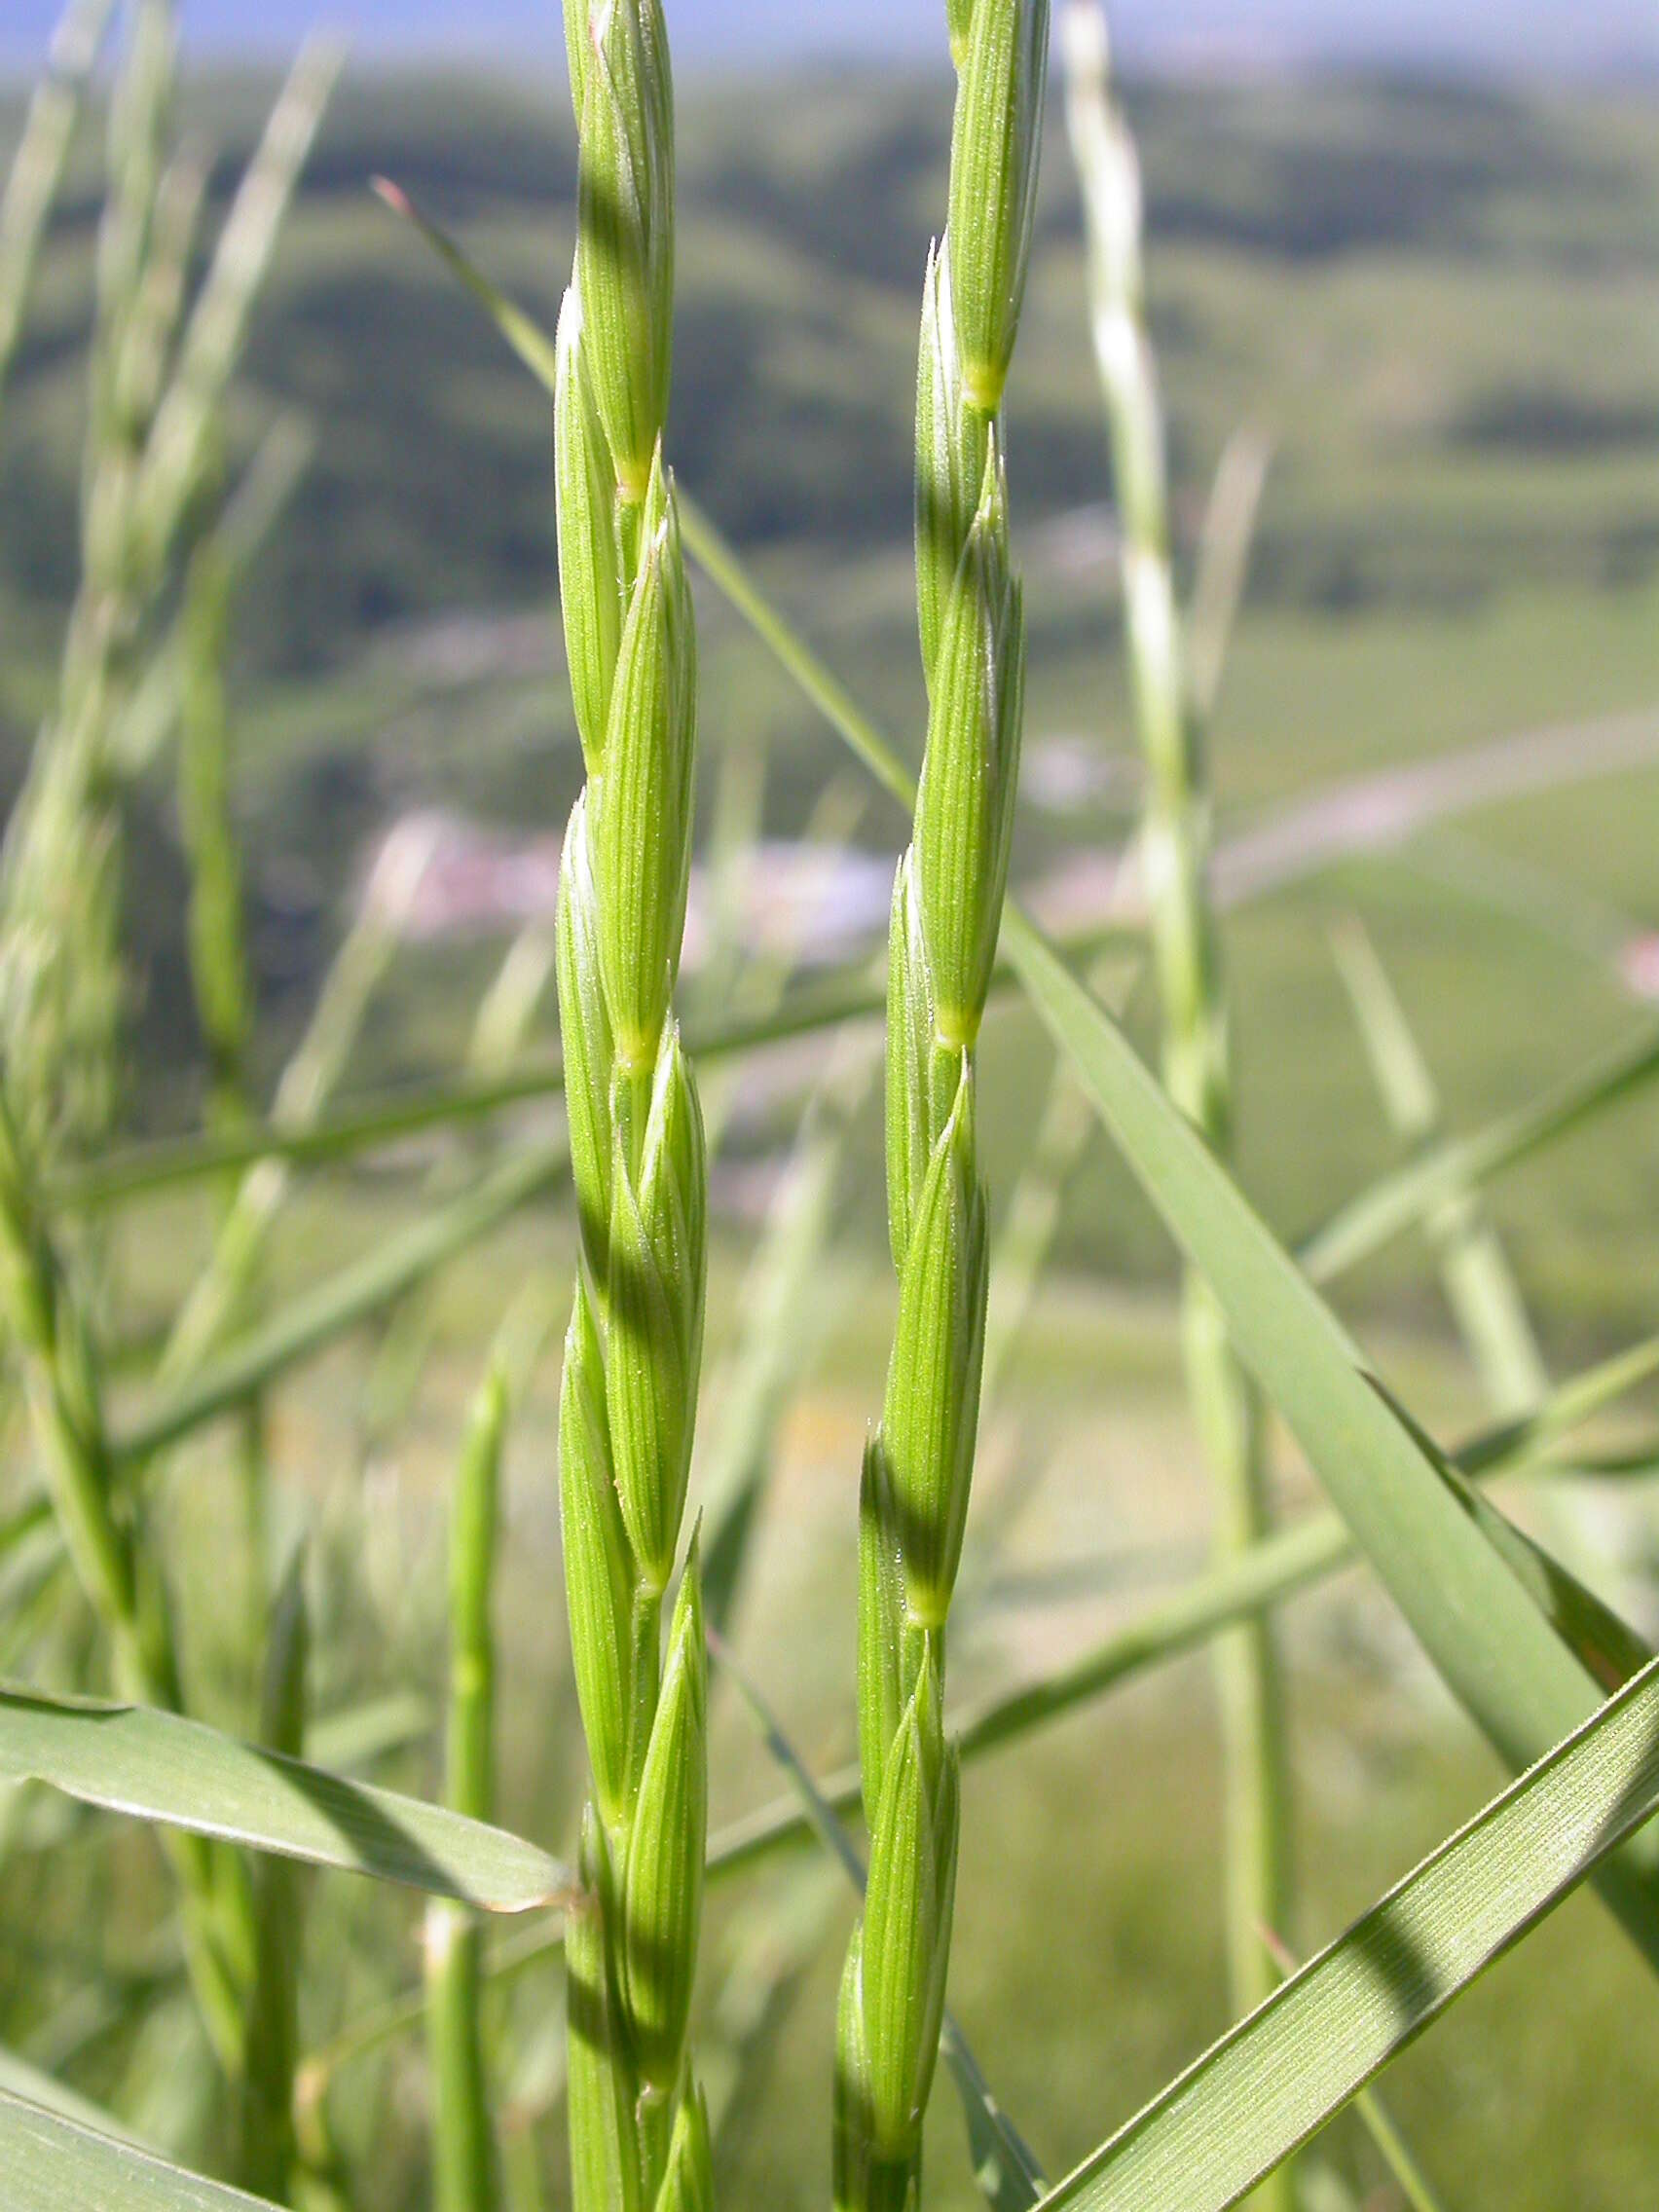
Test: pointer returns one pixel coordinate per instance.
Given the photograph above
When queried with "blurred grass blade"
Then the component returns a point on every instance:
(49, 2163)
(268, 2146)
(1479, 1282)
(1608, 1648)
(357, 1735)
(787, 1310)
(357, 1292)
(147, 719)
(1410, 1194)
(1271, 1573)
(464, 2153)
(391, 1117)
(1008, 2174)
(1275, 2081)
(158, 1767)
(23, 1523)
(1578, 1400)
(1472, 1614)
(36, 174)
(1225, 543)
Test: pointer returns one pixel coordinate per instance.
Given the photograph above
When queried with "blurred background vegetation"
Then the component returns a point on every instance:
(1438, 303)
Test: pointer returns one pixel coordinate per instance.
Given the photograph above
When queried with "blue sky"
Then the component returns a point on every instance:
(1524, 36)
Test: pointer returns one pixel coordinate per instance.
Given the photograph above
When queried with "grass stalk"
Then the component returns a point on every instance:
(1197, 1055)
(464, 2150)
(268, 2147)
(946, 914)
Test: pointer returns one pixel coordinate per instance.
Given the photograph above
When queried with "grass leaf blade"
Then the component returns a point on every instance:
(132, 1760)
(1264, 2088)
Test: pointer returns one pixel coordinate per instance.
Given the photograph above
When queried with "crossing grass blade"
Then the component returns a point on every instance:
(156, 1766)
(1469, 1610)
(1269, 1576)
(390, 1116)
(49, 2162)
(1272, 2082)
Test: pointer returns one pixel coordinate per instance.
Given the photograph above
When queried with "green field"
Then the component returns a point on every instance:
(1440, 307)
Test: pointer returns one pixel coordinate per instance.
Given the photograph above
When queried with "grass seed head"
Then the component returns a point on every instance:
(993, 186)
(951, 442)
(640, 813)
(625, 215)
(906, 1924)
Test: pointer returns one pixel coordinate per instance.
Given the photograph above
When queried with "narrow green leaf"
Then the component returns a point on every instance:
(158, 1767)
(1274, 2082)
(1472, 1614)
(50, 2163)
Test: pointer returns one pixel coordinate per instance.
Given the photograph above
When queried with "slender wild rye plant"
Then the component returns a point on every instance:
(158, 378)
(1198, 1068)
(638, 2123)
(947, 913)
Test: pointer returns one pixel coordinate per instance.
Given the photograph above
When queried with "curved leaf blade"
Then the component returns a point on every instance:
(158, 1767)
